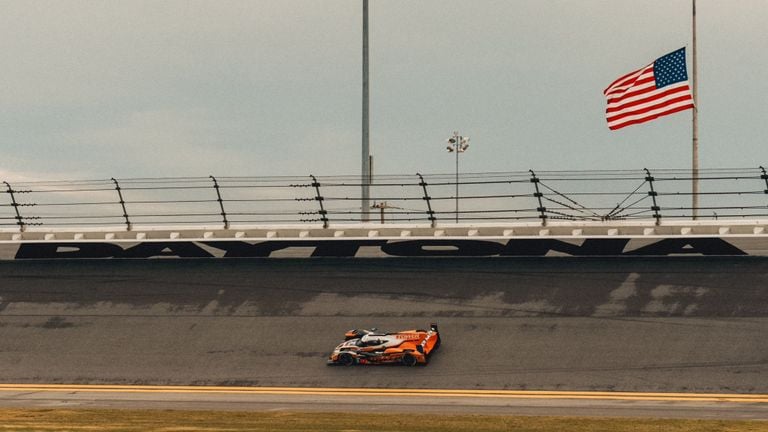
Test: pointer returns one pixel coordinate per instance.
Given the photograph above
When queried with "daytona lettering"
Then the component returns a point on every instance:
(380, 248)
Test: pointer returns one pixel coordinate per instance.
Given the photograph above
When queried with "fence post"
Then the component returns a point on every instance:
(541, 209)
(221, 202)
(764, 176)
(652, 193)
(122, 204)
(19, 219)
(427, 198)
(319, 198)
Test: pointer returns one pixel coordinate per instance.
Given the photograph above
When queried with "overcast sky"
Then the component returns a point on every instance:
(266, 87)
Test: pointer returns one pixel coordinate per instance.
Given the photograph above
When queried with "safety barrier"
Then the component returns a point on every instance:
(533, 196)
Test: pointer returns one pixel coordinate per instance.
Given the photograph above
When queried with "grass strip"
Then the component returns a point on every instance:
(119, 420)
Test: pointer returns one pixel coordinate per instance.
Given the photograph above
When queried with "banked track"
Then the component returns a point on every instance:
(663, 324)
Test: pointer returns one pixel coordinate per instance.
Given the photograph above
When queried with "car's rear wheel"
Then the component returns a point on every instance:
(409, 360)
(346, 359)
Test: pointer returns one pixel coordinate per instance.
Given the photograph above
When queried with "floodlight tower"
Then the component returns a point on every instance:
(457, 144)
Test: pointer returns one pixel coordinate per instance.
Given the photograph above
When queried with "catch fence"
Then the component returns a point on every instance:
(503, 197)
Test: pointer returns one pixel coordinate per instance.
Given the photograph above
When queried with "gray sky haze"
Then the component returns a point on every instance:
(268, 87)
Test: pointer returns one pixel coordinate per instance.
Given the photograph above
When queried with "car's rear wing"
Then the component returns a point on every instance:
(431, 342)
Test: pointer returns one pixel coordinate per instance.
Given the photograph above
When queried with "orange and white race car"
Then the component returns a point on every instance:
(408, 347)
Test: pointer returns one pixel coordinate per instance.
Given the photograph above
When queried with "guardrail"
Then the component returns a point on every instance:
(483, 197)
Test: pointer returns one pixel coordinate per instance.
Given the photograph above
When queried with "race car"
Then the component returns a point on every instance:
(369, 346)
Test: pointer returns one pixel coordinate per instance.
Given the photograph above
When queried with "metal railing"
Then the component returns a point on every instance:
(538, 196)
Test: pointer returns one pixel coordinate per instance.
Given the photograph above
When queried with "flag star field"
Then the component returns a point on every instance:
(670, 69)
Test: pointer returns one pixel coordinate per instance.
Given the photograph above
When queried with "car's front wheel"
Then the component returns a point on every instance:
(346, 359)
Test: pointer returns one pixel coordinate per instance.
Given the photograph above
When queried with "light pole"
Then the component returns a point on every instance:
(457, 144)
(367, 158)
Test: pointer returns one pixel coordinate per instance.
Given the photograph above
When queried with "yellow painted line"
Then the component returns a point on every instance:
(442, 393)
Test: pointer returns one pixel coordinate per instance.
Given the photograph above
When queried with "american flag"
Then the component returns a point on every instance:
(659, 89)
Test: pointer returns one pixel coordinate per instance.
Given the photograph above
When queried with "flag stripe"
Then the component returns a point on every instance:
(656, 90)
(635, 91)
(650, 117)
(656, 110)
(625, 79)
(644, 97)
(624, 85)
(641, 81)
(649, 107)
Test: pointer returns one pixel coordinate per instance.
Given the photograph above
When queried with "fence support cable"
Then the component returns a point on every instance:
(319, 198)
(221, 202)
(652, 193)
(541, 209)
(427, 198)
(579, 207)
(619, 209)
(122, 204)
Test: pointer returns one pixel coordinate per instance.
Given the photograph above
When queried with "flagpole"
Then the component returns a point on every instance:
(695, 131)
(366, 156)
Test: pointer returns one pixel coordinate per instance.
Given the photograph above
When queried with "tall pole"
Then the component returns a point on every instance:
(366, 156)
(457, 178)
(457, 144)
(695, 131)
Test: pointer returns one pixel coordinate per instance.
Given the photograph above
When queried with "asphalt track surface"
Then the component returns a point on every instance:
(676, 324)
